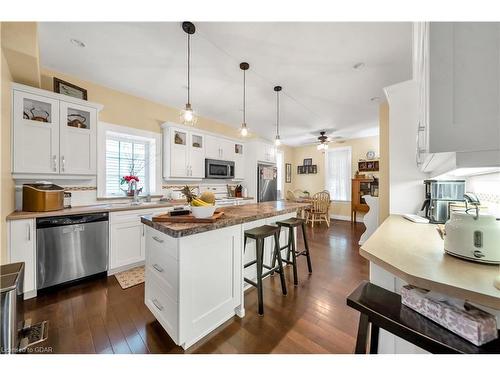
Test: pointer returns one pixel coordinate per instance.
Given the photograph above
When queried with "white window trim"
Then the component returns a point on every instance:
(327, 171)
(105, 129)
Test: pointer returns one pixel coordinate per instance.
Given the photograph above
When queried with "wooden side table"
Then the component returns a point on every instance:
(359, 187)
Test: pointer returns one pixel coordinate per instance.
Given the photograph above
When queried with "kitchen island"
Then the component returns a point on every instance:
(402, 252)
(194, 271)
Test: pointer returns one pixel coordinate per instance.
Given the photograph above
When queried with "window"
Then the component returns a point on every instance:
(122, 150)
(125, 157)
(279, 167)
(338, 173)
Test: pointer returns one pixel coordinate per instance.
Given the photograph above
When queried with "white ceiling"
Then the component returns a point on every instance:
(312, 61)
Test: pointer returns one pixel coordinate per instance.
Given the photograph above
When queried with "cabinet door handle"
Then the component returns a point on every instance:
(28, 227)
(157, 267)
(157, 304)
(63, 163)
(54, 163)
(157, 239)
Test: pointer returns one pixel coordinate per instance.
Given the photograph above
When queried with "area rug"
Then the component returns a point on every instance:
(131, 277)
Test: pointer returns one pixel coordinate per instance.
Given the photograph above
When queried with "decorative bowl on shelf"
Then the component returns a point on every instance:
(202, 212)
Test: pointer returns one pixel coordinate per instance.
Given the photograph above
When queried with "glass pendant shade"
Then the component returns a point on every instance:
(187, 116)
(244, 130)
(277, 141)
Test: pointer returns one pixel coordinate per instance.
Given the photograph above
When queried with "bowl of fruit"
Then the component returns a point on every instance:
(202, 206)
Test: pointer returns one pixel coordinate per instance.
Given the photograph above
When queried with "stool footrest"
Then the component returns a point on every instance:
(251, 282)
(249, 263)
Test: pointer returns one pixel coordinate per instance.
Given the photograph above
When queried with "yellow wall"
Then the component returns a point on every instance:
(316, 182)
(6, 183)
(128, 110)
(20, 47)
(384, 162)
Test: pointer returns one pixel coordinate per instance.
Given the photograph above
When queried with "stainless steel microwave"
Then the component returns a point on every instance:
(223, 169)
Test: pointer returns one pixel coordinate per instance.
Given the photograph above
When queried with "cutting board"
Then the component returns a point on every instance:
(166, 218)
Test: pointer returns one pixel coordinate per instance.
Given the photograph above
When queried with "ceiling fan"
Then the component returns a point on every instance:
(323, 140)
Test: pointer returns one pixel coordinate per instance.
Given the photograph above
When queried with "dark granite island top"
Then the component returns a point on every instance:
(233, 215)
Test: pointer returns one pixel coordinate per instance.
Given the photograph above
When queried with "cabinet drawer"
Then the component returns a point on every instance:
(157, 241)
(163, 307)
(165, 268)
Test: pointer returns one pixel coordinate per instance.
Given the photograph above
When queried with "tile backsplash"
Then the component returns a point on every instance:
(487, 189)
(84, 195)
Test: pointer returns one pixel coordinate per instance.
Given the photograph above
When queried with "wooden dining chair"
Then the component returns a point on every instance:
(319, 209)
(290, 196)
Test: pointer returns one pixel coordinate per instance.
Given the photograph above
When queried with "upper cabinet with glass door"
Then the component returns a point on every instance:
(78, 139)
(35, 134)
(52, 134)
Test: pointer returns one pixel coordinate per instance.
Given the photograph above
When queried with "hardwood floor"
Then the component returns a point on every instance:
(98, 316)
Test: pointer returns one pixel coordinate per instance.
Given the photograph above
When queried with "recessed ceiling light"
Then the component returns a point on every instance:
(77, 43)
(375, 99)
(358, 65)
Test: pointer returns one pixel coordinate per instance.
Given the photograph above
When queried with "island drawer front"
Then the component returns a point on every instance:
(166, 270)
(162, 306)
(164, 244)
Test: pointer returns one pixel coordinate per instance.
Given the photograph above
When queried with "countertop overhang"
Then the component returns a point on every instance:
(415, 253)
(233, 215)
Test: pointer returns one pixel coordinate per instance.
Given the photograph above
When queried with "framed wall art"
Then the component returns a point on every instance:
(66, 88)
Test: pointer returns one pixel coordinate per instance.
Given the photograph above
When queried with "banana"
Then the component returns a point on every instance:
(199, 203)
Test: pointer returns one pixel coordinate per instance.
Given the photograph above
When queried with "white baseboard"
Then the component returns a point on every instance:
(124, 268)
(340, 217)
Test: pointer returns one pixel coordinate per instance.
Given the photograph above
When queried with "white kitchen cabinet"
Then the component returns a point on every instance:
(22, 248)
(227, 149)
(212, 147)
(35, 143)
(184, 153)
(190, 286)
(43, 143)
(456, 68)
(126, 238)
(219, 148)
(266, 152)
(78, 144)
(239, 161)
(196, 155)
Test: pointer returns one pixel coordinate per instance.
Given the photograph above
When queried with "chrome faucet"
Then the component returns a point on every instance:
(136, 192)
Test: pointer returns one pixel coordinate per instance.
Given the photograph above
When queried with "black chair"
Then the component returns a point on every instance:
(259, 234)
(291, 224)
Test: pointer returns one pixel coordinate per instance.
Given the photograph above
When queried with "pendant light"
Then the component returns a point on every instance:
(277, 140)
(187, 115)
(243, 130)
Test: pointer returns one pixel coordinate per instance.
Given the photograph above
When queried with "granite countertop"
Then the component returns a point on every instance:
(233, 215)
(415, 253)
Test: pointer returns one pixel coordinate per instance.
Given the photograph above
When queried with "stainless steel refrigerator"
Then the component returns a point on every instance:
(267, 183)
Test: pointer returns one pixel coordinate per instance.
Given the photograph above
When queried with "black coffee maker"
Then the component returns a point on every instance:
(439, 194)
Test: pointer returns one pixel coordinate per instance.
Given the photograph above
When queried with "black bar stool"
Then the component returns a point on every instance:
(259, 234)
(291, 248)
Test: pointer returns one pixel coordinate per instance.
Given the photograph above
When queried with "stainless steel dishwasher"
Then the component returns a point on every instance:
(70, 248)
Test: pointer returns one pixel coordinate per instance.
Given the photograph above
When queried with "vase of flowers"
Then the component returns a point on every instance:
(131, 186)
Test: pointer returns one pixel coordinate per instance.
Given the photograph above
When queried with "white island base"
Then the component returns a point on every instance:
(193, 284)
